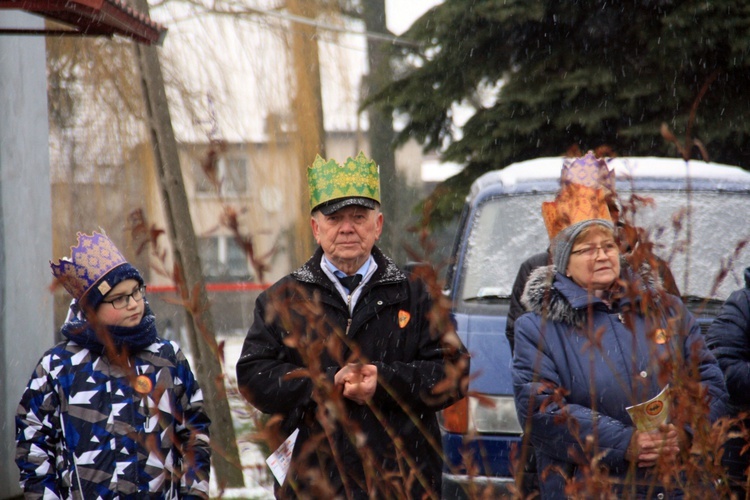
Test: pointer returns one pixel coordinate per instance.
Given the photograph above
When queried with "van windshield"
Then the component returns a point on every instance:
(507, 230)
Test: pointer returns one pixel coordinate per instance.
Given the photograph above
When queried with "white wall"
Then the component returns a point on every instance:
(26, 326)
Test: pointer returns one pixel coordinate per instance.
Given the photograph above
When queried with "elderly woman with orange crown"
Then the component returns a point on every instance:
(595, 357)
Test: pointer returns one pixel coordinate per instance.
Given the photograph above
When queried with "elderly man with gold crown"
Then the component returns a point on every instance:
(347, 350)
(611, 375)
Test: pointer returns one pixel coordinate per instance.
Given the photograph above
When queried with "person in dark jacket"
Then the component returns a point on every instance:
(728, 337)
(355, 357)
(595, 342)
(113, 411)
(516, 309)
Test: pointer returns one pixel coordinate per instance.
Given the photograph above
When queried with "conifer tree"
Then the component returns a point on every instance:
(577, 75)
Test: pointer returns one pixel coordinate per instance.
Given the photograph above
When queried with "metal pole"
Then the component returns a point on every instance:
(225, 457)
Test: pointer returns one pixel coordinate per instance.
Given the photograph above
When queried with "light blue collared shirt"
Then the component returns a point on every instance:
(350, 296)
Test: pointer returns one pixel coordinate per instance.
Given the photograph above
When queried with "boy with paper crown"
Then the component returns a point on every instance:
(113, 411)
(344, 350)
(597, 341)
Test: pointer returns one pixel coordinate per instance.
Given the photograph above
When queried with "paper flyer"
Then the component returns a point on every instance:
(651, 414)
(281, 459)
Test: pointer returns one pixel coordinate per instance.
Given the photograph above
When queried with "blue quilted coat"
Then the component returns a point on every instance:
(571, 386)
(84, 431)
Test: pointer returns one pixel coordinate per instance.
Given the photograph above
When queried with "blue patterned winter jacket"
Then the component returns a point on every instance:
(88, 428)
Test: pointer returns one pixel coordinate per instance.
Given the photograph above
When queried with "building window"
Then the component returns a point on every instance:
(232, 175)
(223, 259)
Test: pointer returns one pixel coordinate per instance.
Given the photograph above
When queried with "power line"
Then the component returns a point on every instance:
(383, 37)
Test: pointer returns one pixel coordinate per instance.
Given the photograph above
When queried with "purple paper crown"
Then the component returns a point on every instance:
(587, 171)
(89, 262)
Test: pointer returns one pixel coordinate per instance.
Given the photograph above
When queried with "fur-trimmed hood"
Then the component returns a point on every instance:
(557, 298)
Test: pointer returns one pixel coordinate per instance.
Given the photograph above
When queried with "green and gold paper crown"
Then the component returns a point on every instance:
(357, 178)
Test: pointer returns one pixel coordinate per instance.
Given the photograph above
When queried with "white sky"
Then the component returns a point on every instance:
(236, 71)
(400, 14)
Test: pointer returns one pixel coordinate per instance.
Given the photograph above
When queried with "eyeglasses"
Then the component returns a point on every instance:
(122, 301)
(609, 249)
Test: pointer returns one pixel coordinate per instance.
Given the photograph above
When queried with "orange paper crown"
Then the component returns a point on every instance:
(574, 203)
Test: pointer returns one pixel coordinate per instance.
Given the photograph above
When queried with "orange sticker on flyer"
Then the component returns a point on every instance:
(653, 409)
(403, 318)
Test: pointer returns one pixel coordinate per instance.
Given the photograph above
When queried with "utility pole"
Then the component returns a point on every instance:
(381, 127)
(308, 113)
(225, 456)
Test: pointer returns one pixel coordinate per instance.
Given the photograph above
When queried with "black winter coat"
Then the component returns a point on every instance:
(516, 309)
(729, 339)
(302, 323)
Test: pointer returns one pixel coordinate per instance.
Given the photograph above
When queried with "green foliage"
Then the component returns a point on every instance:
(575, 75)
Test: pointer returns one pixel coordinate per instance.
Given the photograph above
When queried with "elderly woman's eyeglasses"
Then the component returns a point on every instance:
(122, 301)
(591, 251)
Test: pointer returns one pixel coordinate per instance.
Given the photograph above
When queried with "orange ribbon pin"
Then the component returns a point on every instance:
(403, 318)
(660, 336)
(143, 384)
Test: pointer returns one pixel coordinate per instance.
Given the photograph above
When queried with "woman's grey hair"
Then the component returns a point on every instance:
(563, 243)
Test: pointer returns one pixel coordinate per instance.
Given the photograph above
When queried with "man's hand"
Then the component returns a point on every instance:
(646, 447)
(357, 381)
